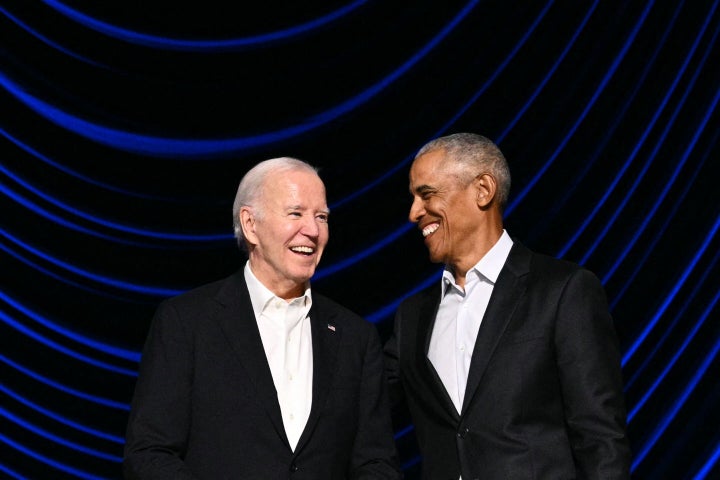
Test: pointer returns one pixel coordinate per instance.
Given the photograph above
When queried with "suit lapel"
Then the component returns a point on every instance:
(507, 292)
(427, 312)
(326, 333)
(237, 321)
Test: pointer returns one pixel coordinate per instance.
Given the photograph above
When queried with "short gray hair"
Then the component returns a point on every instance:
(474, 154)
(251, 186)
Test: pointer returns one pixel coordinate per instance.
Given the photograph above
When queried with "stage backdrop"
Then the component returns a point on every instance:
(126, 126)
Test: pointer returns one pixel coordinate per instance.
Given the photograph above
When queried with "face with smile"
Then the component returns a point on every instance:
(288, 232)
(446, 208)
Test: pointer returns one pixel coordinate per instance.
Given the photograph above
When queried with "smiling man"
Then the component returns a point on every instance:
(510, 366)
(256, 376)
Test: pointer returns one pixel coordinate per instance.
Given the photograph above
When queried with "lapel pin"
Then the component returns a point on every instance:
(331, 327)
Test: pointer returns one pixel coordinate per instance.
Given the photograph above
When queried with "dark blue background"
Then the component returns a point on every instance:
(125, 128)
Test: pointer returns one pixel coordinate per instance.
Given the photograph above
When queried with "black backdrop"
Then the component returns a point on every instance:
(125, 127)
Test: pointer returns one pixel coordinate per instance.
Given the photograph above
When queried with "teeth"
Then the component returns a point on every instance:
(430, 229)
(302, 249)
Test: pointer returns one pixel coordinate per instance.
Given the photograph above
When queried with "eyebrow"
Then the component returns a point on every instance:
(300, 207)
(422, 189)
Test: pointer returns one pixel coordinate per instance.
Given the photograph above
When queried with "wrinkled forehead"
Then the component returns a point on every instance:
(295, 188)
(433, 168)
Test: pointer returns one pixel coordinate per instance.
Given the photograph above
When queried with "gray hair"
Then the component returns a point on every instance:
(474, 154)
(251, 187)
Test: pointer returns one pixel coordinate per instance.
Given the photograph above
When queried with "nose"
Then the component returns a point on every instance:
(416, 210)
(311, 226)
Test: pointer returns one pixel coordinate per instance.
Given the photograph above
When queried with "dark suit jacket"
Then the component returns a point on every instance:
(205, 406)
(544, 391)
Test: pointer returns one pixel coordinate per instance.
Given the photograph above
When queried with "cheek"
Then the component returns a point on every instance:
(324, 235)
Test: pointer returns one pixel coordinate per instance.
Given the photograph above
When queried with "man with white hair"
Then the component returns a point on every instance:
(256, 376)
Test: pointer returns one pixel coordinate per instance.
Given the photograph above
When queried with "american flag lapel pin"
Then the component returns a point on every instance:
(331, 327)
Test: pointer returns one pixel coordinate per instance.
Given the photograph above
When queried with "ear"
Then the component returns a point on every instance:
(486, 188)
(247, 223)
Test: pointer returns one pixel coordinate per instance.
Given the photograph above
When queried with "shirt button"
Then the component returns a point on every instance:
(462, 348)
(292, 417)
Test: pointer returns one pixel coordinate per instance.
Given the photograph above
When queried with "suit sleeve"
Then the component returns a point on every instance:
(374, 455)
(588, 359)
(160, 412)
(392, 366)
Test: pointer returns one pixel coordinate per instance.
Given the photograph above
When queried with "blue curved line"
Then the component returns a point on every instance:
(413, 461)
(678, 353)
(629, 245)
(63, 420)
(156, 41)
(54, 275)
(609, 133)
(646, 220)
(54, 218)
(62, 349)
(98, 220)
(335, 267)
(167, 147)
(71, 391)
(702, 474)
(47, 41)
(671, 296)
(679, 402)
(647, 250)
(78, 228)
(667, 218)
(457, 115)
(591, 103)
(12, 473)
(496, 73)
(56, 439)
(149, 290)
(390, 308)
(47, 460)
(125, 354)
(63, 168)
(550, 73)
(639, 177)
(204, 148)
(402, 432)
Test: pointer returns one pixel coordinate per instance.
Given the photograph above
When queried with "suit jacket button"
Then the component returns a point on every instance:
(461, 433)
(293, 468)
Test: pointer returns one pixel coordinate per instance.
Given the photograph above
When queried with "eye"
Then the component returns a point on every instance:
(295, 214)
(322, 217)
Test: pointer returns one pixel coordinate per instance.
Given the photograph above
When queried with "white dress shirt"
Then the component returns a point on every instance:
(285, 332)
(459, 316)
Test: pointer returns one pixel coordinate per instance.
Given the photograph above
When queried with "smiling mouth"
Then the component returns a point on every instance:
(303, 250)
(430, 229)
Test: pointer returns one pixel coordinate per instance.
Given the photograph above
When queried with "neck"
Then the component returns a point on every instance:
(481, 245)
(284, 288)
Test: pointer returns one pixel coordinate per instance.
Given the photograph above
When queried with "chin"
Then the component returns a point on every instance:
(304, 276)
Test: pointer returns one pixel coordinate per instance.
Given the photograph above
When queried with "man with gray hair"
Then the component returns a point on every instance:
(256, 376)
(509, 366)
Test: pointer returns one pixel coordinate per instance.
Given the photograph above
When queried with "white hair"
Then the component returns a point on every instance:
(474, 154)
(251, 186)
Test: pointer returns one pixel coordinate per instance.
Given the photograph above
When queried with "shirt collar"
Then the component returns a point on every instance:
(488, 267)
(260, 295)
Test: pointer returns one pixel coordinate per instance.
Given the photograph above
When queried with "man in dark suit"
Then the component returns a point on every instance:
(510, 368)
(255, 376)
